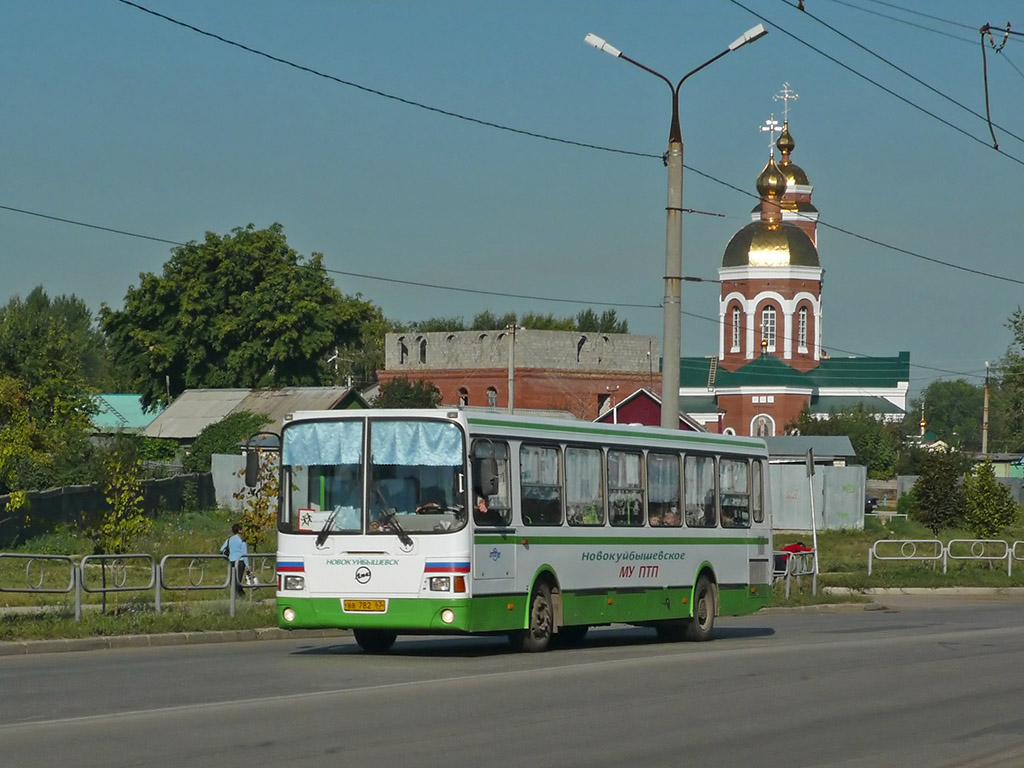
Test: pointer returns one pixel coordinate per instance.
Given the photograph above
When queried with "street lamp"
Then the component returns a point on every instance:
(671, 352)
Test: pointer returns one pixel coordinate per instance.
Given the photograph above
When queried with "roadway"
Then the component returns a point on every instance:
(921, 682)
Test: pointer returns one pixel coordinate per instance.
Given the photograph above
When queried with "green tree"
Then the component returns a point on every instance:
(24, 450)
(223, 436)
(875, 442)
(990, 507)
(488, 321)
(939, 492)
(953, 410)
(588, 321)
(1006, 406)
(125, 521)
(259, 504)
(242, 310)
(401, 392)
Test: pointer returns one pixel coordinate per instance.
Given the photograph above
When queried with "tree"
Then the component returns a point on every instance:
(938, 491)
(990, 507)
(259, 504)
(953, 410)
(125, 521)
(588, 321)
(875, 442)
(242, 310)
(1006, 419)
(401, 392)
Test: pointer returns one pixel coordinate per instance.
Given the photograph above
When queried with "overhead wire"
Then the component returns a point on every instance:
(904, 72)
(873, 82)
(532, 134)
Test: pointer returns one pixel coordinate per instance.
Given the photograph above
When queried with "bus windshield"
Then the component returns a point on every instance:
(387, 476)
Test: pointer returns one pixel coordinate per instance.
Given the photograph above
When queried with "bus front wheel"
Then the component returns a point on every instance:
(374, 640)
(537, 637)
(703, 621)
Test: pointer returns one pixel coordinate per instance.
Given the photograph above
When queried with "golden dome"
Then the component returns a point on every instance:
(759, 245)
(794, 173)
(771, 183)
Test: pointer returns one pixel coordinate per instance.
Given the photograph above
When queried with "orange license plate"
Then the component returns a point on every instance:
(364, 606)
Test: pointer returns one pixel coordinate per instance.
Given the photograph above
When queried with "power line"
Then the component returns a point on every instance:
(921, 13)
(383, 94)
(90, 226)
(902, 71)
(875, 83)
(904, 21)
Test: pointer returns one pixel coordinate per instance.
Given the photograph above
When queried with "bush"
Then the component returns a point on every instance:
(222, 437)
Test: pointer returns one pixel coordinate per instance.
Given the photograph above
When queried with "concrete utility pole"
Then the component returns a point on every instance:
(512, 368)
(671, 349)
(984, 418)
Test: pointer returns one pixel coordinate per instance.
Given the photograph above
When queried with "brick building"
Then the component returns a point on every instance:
(580, 373)
(770, 361)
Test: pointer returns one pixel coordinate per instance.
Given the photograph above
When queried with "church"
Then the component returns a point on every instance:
(770, 362)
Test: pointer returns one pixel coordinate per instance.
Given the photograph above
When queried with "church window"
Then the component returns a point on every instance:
(801, 329)
(768, 327)
(735, 329)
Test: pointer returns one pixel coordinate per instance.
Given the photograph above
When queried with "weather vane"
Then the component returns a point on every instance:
(771, 127)
(787, 95)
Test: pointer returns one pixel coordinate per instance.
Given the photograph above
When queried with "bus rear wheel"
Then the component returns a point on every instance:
(701, 625)
(374, 640)
(537, 637)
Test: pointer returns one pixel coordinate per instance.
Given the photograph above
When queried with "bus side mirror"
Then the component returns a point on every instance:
(252, 468)
(486, 477)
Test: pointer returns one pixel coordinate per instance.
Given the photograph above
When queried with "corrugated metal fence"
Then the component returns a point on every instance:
(73, 504)
(838, 497)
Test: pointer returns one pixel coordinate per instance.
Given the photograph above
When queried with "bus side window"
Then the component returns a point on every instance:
(734, 488)
(496, 508)
(699, 485)
(757, 491)
(540, 484)
(663, 490)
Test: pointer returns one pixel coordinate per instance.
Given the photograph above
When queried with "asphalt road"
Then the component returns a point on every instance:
(927, 682)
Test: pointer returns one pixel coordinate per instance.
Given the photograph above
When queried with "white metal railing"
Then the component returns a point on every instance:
(793, 565)
(982, 550)
(103, 574)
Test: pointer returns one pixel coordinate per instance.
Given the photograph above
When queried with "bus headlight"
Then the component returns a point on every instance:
(292, 581)
(440, 584)
(288, 614)
(447, 615)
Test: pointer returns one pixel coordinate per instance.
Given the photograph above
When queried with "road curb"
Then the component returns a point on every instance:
(25, 647)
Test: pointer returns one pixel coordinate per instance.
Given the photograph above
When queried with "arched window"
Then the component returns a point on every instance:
(463, 396)
(801, 329)
(403, 350)
(492, 397)
(423, 350)
(579, 347)
(762, 426)
(768, 327)
(735, 329)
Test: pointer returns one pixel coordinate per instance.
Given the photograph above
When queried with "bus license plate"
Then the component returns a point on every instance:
(364, 606)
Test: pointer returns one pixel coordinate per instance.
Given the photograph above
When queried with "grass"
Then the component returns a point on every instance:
(842, 557)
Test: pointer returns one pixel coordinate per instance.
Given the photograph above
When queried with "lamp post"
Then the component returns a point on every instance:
(671, 344)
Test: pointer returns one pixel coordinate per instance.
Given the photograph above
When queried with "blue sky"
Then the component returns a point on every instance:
(116, 118)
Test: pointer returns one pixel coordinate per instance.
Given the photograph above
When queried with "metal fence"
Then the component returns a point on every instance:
(978, 550)
(792, 566)
(107, 574)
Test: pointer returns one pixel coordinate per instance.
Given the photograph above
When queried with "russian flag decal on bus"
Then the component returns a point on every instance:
(291, 566)
(446, 566)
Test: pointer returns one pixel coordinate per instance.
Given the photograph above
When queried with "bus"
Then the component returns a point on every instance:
(395, 522)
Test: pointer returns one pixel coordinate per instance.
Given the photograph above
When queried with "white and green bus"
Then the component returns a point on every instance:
(431, 521)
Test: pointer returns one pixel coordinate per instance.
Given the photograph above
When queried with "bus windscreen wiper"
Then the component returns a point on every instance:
(328, 524)
(391, 518)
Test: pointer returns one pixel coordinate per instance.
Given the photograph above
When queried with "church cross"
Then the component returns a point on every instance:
(786, 95)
